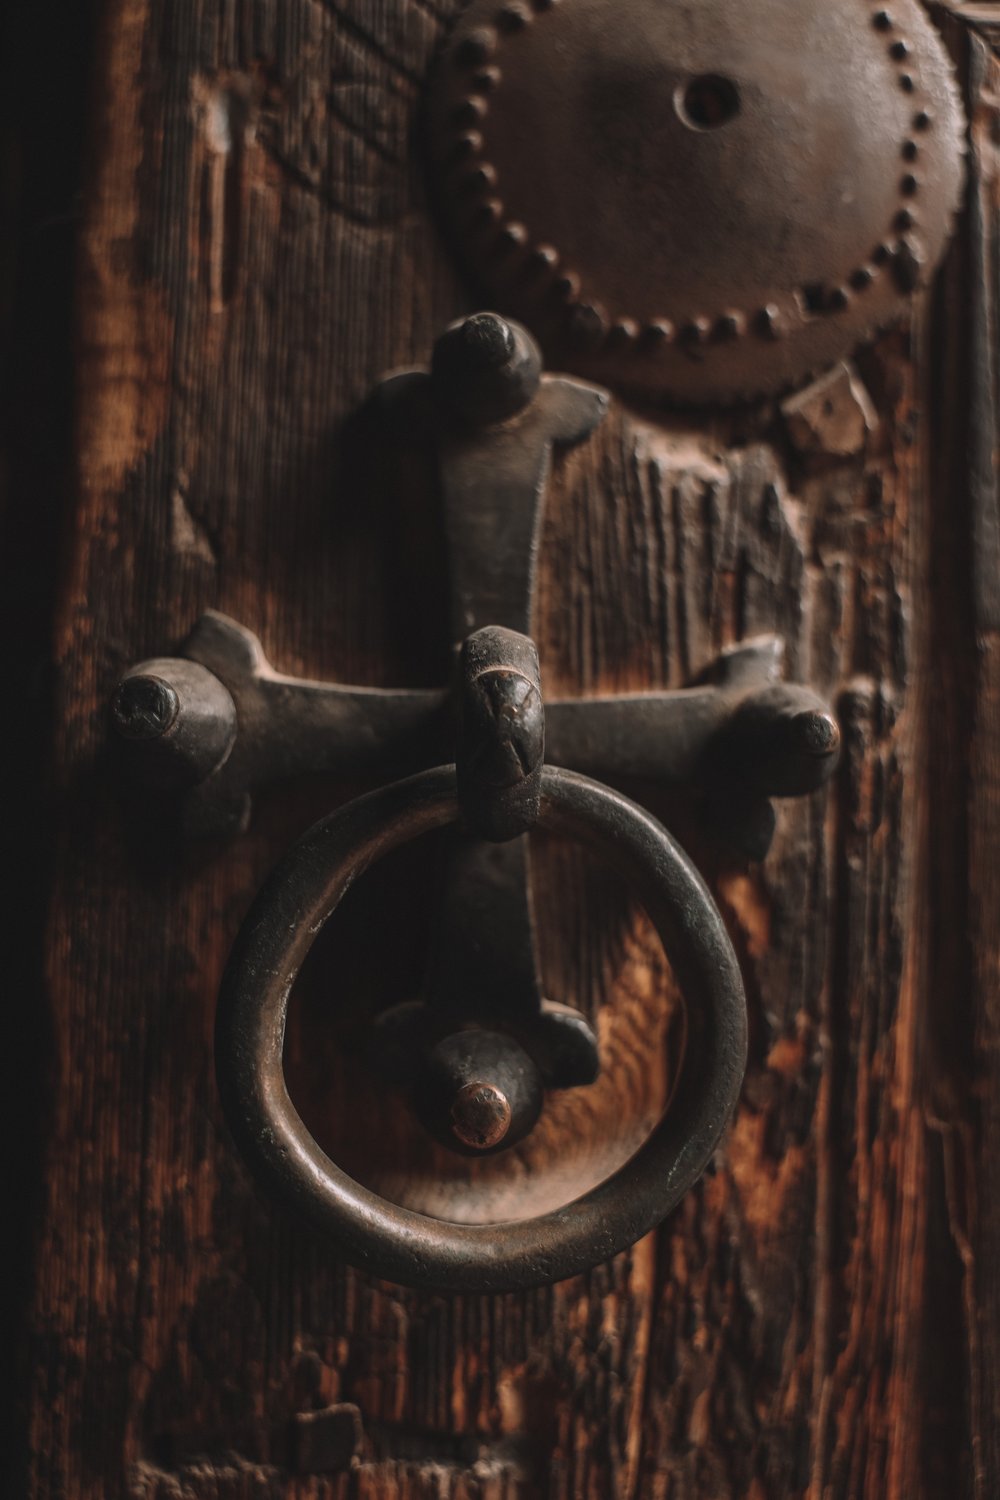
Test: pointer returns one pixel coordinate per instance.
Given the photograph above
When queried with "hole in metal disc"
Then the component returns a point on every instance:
(708, 101)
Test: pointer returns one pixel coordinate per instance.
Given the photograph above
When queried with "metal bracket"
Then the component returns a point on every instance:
(217, 722)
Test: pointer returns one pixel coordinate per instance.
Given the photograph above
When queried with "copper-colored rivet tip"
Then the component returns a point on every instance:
(480, 1115)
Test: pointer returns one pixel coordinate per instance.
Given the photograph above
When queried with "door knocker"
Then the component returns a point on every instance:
(761, 210)
(481, 1049)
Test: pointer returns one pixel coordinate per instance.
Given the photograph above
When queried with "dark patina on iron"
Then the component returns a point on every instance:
(479, 1050)
(701, 202)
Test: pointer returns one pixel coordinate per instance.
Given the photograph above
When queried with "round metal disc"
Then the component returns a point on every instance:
(708, 200)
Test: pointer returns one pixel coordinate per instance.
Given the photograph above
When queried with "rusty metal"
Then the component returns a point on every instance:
(702, 202)
(702, 736)
(381, 1237)
(501, 733)
(481, 1047)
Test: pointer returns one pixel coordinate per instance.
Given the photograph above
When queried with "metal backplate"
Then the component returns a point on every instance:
(705, 201)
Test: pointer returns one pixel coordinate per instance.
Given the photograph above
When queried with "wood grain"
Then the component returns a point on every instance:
(821, 1317)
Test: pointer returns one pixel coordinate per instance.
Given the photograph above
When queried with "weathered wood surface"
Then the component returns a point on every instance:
(822, 1316)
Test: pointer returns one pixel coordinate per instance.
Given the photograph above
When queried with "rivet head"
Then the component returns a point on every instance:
(695, 331)
(882, 21)
(622, 332)
(770, 322)
(143, 707)
(469, 112)
(480, 1115)
(513, 17)
(657, 335)
(543, 258)
(567, 285)
(487, 213)
(587, 325)
(512, 236)
(478, 47)
(485, 80)
(468, 144)
(731, 325)
(480, 180)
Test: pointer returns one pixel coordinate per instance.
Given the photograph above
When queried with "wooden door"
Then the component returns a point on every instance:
(222, 239)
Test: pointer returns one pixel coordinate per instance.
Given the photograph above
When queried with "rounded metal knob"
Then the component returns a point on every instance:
(384, 1238)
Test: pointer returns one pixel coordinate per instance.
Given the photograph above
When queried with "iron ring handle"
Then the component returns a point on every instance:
(412, 1248)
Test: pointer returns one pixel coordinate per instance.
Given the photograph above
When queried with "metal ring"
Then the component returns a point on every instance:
(412, 1248)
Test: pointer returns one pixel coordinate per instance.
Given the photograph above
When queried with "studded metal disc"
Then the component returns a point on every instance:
(703, 200)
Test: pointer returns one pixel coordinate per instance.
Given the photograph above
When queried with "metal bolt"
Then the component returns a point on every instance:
(819, 733)
(480, 1115)
(143, 708)
(485, 369)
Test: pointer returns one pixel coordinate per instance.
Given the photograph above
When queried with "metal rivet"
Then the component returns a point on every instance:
(479, 181)
(769, 321)
(469, 144)
(906, 83)
(907, 265)
(657, 335)
(908, 184)
(512, 235)
(922, 120)
(485, 80)
(143, 707)
(899, 50)
(514, 17)
(862, 278)
(882, 21)
(487, 213)
(695, 331)
(882, 252)
(623, 331)
(567, 285)
(587, 325)
(469, 112)
(904, 219)
(731, 325)
(910, 150)
(476, 48)
(480, 1115)
(543, 258)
